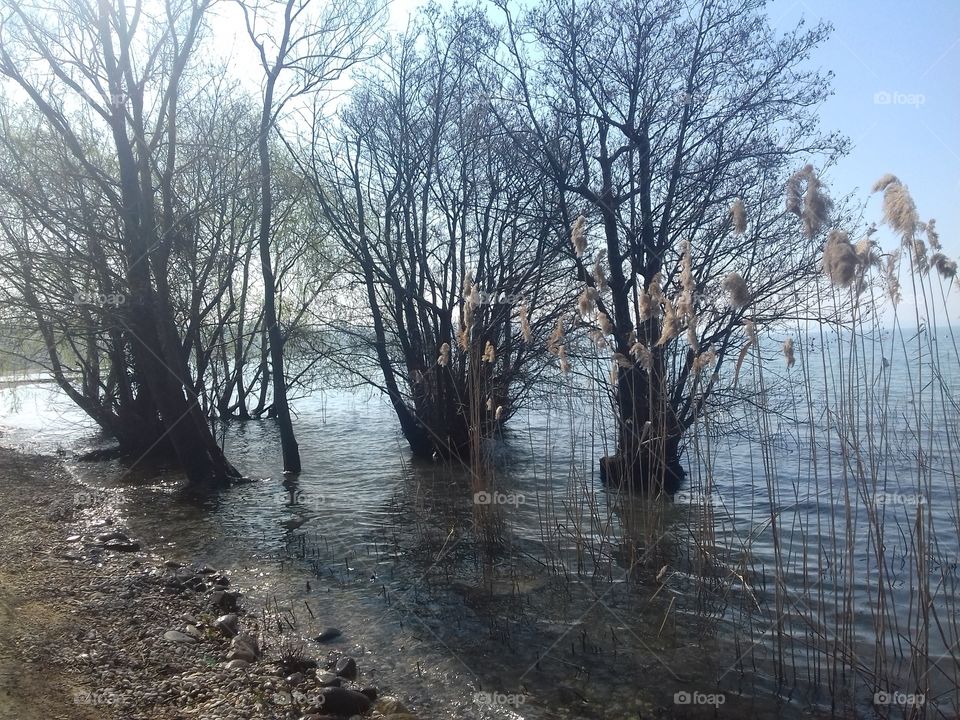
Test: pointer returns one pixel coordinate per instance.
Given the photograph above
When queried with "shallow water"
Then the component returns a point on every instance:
(560, 613)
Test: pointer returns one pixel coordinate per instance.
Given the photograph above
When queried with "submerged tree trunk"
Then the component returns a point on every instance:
(281, 407)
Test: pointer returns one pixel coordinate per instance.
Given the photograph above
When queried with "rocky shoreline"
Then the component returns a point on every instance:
(95, 626)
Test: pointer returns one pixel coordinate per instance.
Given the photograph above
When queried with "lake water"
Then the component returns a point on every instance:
(580, 602)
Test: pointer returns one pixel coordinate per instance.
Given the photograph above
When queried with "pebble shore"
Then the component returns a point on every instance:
(115, 631)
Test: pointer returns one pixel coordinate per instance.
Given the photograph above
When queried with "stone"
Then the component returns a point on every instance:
(329, 634)
(347, 668)
(108, 537)
(238, 664)
(294, 679)
(341, 701)
(122, 545)
(370, 691)
(388, 705)
(225, 600)
(193, 631)
(228, 624)
(247, 642)
(175, 636)
(328, 678)
(242, 653)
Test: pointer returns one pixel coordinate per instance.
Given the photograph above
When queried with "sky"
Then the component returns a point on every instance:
(896, 66)
(897, 97)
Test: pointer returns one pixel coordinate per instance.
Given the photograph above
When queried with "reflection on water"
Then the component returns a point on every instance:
(591, 604)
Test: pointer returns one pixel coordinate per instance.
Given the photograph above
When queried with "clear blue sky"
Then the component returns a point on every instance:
(897, 97)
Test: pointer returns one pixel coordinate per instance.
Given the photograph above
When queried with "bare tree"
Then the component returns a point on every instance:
(672, 128)
(450, 236)
(303, 51)
(103, 83)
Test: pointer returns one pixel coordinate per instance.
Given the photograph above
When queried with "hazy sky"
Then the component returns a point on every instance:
(897, 97)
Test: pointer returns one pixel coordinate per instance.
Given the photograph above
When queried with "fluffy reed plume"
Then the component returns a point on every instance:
(933, 237)
(738, 217)
(736, 287)
(598, 338)
(463, 339)
(498, 415)
(705, 359)
(685, 303)
(751, 339)
(489, 353)
(444, 358)
(794, 193)
(881, 184)
(671, 323)
(564, 362)
(899, 211)
(489, 404)
(586, 303)
(555, 341)
(867, 255)
(919, 254)
(578, 235)
(643, 355)
(603, 320)
(655, 289)
(788, 352)
(599, 276)
(890, 278)
(840, 260)
(622, 360)
(692, 340)
(614, 373)
(525, 329)
(811, 205)
(946, 267)
(644, 305)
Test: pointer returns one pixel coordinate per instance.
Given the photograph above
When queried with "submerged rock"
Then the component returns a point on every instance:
(329, 634)
(347, 668)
